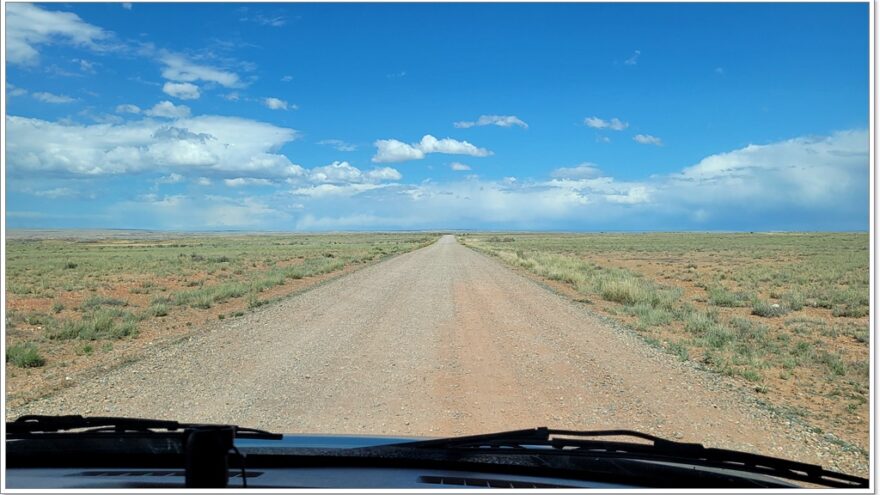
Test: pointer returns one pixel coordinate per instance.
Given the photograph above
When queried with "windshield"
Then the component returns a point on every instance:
(427, 220)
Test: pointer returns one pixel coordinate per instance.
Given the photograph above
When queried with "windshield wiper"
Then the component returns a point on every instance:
(37, 424)
(573, 442)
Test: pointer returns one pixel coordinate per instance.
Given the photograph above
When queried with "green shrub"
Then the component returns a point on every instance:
(101, 324)
(650, 316)
(35, 319)
(96, 302)
(157, 310)
(794, 300)
(719, 296)
(699, 322)
(768, 310)
(850, 311)
(24, 356)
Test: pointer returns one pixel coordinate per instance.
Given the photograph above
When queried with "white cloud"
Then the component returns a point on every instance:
(28, 26)
(648, 139)
(779, 182)
(287, 79)
(336, 190)
(180, 68)
(184, 91)
(585, 170)
(168, 110)
(499, 120)
(190, 146)
(203, 181)
(338, 144)
(459, 167)
(343, 172)
(335, 172)
(383, 173)
(614, 124)
(128, 108)
(126, 5)
(634, 59)
(392, 150)
(247, 181)
(233, 96)
(52, 98)
(277, 104)
(85, 65)
(12, 90)
(170, 179)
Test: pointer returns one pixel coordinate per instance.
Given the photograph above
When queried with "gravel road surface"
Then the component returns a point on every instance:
(439, 341)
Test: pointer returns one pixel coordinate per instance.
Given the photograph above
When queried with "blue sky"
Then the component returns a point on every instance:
(424, 116)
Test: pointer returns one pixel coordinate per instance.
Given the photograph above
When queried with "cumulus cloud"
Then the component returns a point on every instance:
(807, 181)
(128, 108)
(459, 167)
(246, 181)
(229, 146)
(342, 179)
(499, 120)
(29, 26)
(52, 98)
(647, 139)
(338, 144)
(614, 124)
(383, 174)
(277, 104)
(167, 110)
(392, 150)
(182, 69)
(184, 91)
(203, 181)
(343, 172)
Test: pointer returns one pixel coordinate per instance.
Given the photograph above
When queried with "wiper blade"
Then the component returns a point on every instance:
(35, 424)
(573, 442)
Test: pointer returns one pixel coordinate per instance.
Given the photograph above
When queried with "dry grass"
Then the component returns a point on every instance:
(75, 303)
(785, 313)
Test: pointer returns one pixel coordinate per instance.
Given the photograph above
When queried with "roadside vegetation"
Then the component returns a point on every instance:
(72, 302)
(785, 313)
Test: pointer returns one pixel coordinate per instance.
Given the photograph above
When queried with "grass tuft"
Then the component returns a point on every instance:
(24, 356)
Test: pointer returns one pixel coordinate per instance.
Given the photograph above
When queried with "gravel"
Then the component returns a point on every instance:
(439, 341)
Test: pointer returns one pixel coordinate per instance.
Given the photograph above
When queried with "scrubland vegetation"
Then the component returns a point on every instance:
(69, 301)
(785, 313)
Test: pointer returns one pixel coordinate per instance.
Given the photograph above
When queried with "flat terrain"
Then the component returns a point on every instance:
(79, 302)
(438, 341)
(785, 314)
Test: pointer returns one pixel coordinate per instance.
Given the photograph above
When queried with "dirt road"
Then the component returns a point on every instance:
(438, 341)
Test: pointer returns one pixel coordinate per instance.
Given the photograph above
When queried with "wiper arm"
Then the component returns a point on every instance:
(31, 424)
(573, 442)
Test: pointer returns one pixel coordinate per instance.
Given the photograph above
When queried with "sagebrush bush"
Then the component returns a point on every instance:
(768, 310)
